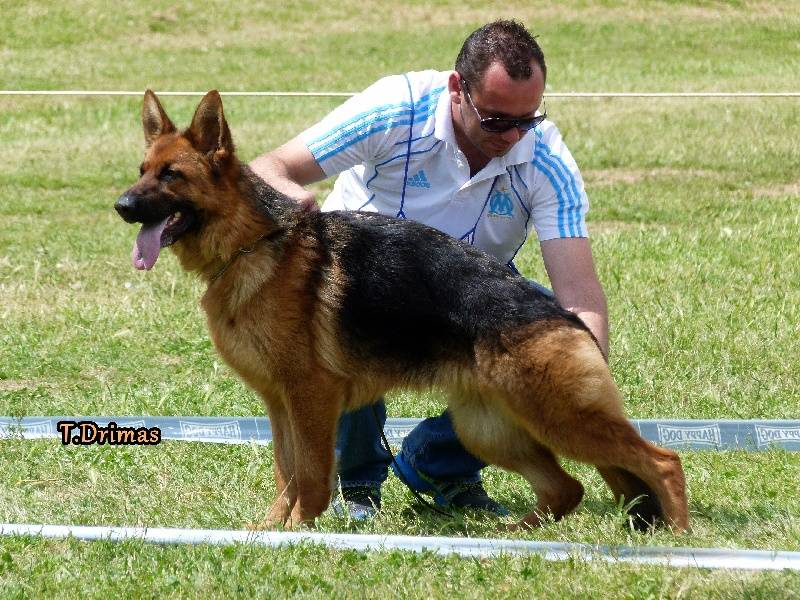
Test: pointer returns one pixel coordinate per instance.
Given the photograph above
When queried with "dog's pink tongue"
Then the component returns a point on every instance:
(148, 245)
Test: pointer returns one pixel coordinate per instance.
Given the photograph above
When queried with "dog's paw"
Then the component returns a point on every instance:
(270, 523)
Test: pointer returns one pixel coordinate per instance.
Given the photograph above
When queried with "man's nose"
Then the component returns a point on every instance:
(512, 136)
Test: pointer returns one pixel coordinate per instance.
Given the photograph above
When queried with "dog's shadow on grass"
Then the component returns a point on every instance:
(404, 514)
(409, 516)
(413, 518)
(739, 520)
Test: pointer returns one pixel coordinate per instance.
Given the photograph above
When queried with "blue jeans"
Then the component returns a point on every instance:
(432, 447)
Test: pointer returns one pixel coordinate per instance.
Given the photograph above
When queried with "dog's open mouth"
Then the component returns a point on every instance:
(154, 236)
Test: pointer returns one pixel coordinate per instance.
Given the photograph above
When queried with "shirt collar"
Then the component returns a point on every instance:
(443, 124)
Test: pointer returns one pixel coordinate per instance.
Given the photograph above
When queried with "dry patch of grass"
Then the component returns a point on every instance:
(16, 385)
(778, 191)
(336, 19)
(612, 227)
(155, 28)
(610, 177)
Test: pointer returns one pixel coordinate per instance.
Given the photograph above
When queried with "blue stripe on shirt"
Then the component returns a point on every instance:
(365, 135)
(575, 212)
(403, 155)
(416, 139)
(559, 180)
(343, 133)
(516, 170)
(426, 109)
(527, 212)
(400, 213)
(426, 104)
(559, 194)
(469, 237)
(569, 206)
(375, 110)
(358, 117)
(371, 130)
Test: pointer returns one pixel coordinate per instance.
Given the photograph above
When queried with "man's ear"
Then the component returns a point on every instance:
(154, 119)
(454, 87)
(209, 131)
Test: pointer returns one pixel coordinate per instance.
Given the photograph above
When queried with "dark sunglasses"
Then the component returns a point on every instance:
(500, 124)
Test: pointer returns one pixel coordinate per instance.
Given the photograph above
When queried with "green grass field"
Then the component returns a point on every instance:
(694, 222)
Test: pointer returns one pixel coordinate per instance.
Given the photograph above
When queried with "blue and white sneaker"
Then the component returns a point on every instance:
(360, 503)
(457, 495)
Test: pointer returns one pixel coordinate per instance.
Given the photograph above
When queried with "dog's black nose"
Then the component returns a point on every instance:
(126, 207)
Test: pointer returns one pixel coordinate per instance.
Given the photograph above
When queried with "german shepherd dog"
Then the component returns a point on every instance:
(322, 313)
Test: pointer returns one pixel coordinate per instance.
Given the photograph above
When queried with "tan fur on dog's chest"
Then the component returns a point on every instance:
(263, 323)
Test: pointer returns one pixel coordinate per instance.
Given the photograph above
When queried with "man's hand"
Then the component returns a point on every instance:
(307, 202)
(288, 169)
(570, 267)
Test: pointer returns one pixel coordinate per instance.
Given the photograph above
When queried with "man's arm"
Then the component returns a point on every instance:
(288, 169)
(570, 267)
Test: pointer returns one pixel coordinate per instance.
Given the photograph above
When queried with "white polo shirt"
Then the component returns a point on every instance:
(395, 150)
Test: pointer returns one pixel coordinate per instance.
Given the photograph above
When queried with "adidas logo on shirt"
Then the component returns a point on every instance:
(419, 180)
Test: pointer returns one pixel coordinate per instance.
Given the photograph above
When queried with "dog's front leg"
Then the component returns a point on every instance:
(284, 465)
(314, 410)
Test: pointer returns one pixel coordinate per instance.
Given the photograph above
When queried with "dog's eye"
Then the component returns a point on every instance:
(168, 174)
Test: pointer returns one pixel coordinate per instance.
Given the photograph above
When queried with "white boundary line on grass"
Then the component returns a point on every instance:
(348, 94)
(705, 558)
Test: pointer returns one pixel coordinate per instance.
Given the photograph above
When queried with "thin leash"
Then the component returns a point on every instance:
(378, 424)
(399, 473)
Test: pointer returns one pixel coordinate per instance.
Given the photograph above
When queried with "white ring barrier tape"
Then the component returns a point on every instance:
(348, 94)
(705, 558)
(718, 434)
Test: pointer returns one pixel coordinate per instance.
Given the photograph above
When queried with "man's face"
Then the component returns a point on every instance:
(496, 95)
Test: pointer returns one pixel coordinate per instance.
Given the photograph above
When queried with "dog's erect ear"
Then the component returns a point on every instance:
(209, 131)
(154, 119)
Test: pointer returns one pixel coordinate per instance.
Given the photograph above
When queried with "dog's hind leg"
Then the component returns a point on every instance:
(633, 468)
(558, 387)
(646, 510)
(557, 492)
(496, 439)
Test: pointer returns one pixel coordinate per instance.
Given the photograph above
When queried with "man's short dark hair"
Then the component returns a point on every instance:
(505, 41)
